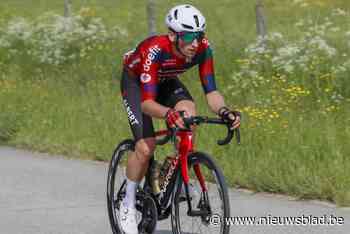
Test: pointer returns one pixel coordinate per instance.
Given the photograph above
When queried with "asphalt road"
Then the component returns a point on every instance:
(42, 194)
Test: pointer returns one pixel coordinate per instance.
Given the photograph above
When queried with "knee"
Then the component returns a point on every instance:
(144, 149)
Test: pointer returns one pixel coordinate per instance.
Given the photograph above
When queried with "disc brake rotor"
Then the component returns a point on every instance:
(147, 207)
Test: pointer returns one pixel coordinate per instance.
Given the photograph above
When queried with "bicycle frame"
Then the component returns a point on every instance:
(157, 205)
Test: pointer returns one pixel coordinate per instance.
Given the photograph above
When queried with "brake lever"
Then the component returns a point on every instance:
(187, 123)
(238, 136)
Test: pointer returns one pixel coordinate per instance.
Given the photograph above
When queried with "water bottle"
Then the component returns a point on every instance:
(155, 174)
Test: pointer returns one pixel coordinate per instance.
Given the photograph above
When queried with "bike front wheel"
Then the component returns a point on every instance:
(213, 200)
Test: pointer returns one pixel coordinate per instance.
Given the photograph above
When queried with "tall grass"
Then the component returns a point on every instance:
(295, 129)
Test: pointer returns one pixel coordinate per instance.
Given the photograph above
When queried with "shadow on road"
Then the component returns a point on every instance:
(163, 232)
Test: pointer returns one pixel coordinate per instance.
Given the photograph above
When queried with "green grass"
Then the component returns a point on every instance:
(76, 109)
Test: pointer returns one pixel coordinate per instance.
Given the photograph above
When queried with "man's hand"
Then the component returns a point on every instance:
(234, 117)
(174, 119)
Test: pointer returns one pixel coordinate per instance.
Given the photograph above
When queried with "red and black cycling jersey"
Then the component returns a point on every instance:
(154, 60)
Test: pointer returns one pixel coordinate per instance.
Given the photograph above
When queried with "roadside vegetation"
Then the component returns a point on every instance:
(59, 86)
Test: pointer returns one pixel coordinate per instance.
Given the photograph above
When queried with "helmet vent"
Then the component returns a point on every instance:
(187, 26)
(196, 19)
(203, 26)
(175, 14)
(187, 6)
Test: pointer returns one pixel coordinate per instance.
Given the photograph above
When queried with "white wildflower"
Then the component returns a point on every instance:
(4, 43)
(255, 49)
(339, 12)
(253, 73)
(19, 28)
(296, 2)
(328, 23)
(302, 62)
(275, 36)
(288, 68)
(13, 51)
(347, 64)
(337, 97)
(335, 29)
(322, 45)
(56, 39)
(340, 69)
(300, 23)
(288, 51)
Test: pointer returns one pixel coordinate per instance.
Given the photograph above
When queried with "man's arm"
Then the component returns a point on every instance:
(154, 109)
(215, 101)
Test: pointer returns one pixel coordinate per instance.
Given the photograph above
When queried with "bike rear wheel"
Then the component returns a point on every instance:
(214, 201)
(116, 182)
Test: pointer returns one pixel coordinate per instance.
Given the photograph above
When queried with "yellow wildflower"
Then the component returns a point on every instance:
(87, 12)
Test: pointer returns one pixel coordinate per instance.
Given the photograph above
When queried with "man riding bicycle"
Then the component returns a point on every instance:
(150, 88)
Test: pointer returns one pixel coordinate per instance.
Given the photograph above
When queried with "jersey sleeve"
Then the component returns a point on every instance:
(206, 68)
(149, 72)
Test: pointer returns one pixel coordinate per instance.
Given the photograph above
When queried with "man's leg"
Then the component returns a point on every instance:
(138, 160)
(136, 169)
(137, 166)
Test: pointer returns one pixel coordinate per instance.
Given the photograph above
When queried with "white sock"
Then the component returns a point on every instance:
(130, 197)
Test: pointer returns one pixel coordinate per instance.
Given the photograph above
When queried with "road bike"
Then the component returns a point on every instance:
(193, 187)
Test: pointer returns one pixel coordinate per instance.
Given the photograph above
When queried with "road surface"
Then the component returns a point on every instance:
(42, 194)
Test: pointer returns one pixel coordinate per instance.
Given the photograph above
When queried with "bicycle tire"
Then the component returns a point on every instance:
(126, 145)
(202, 159)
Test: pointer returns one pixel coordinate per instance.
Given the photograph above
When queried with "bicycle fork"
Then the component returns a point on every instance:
(185, 147)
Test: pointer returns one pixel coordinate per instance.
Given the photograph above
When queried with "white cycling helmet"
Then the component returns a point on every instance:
(185, 18)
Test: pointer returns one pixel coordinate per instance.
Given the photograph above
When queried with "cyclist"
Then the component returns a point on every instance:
(150, 88)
